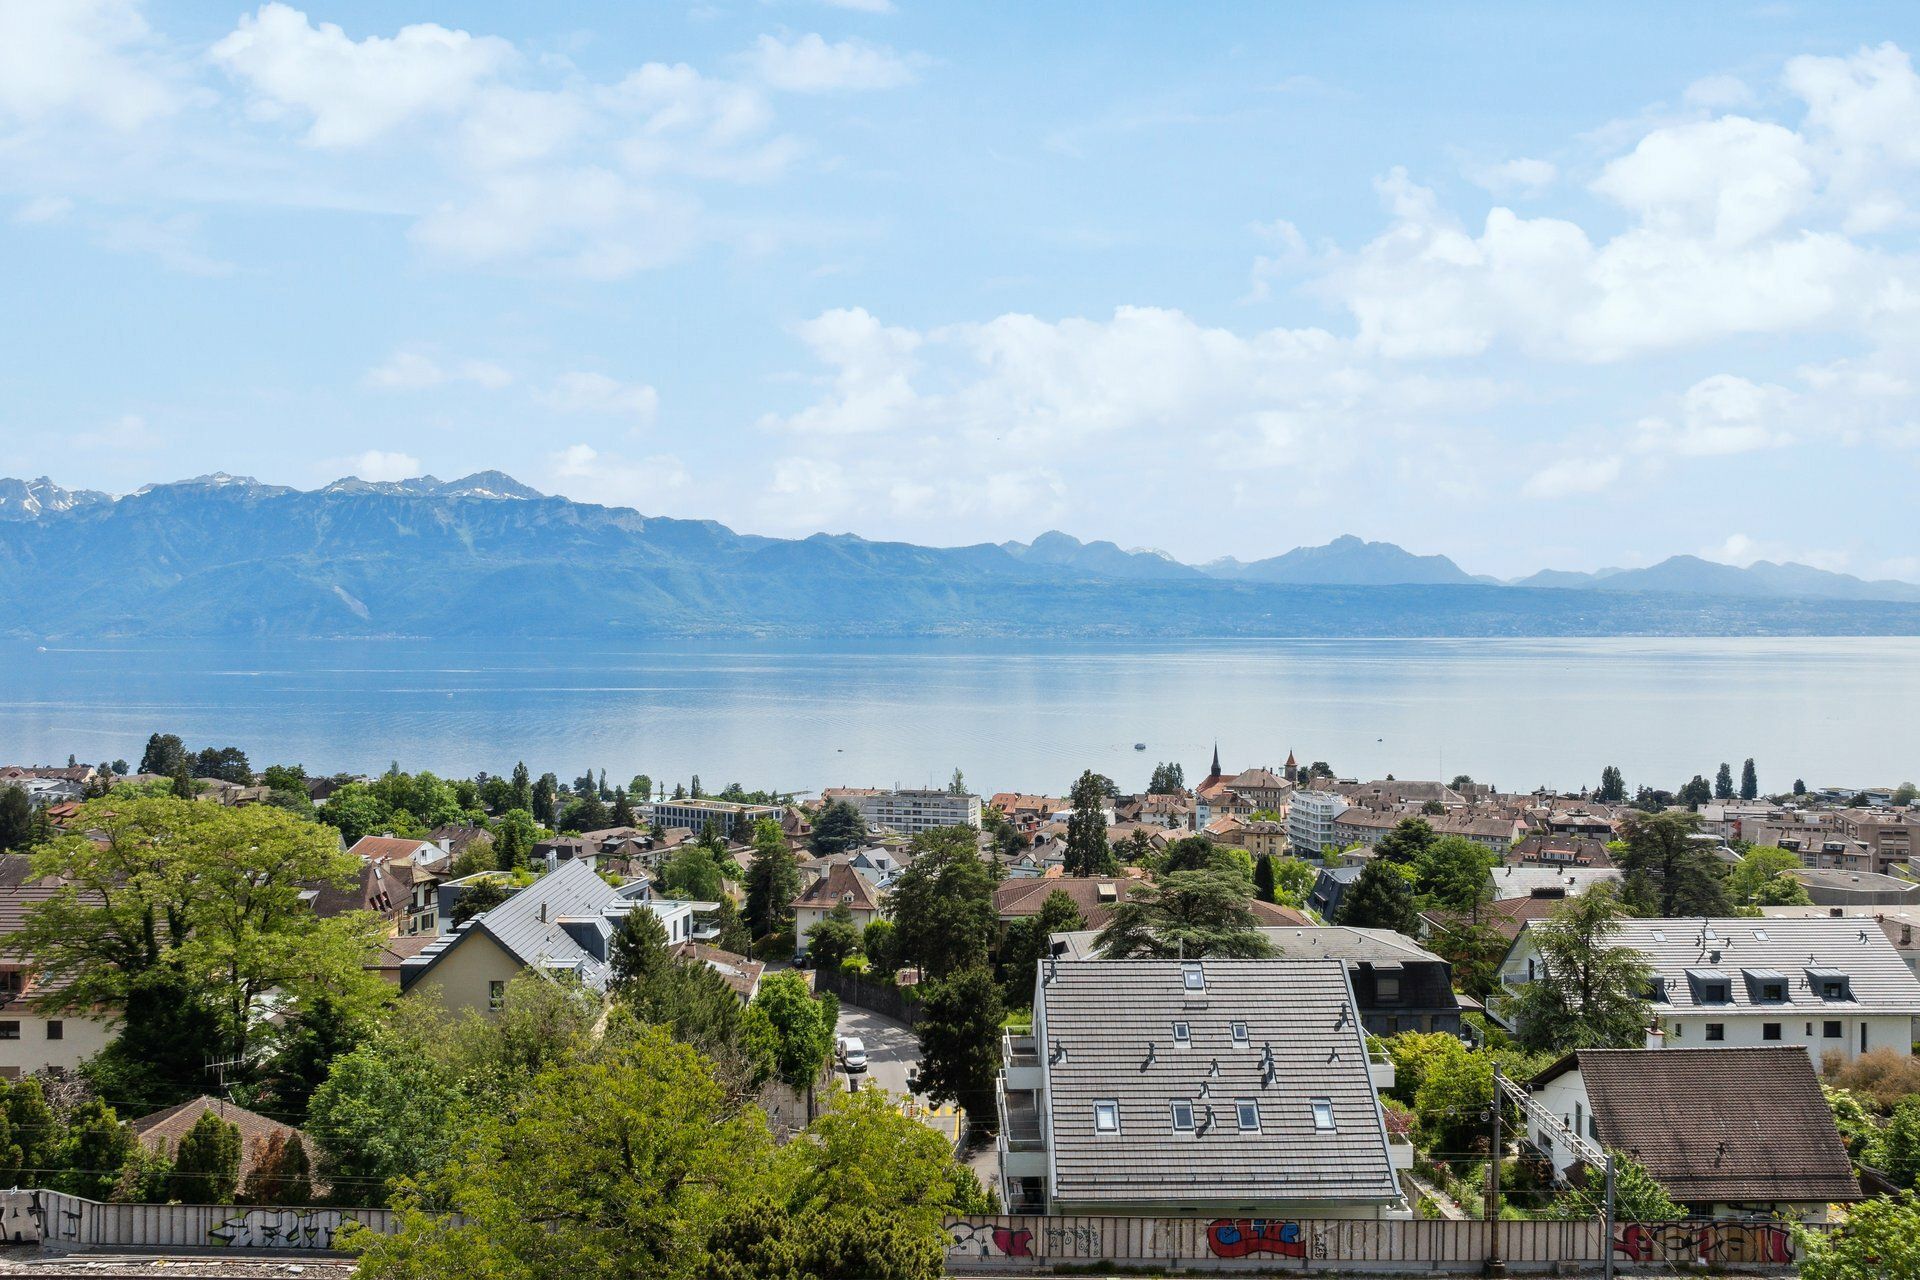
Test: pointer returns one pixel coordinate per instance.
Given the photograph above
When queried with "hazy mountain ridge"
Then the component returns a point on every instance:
(226, 555)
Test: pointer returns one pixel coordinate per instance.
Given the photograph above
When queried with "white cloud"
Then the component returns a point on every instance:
(861, 6)
(1739, 549)
(173, 240)
(1720, 416)
(352, 92)
(376, 465)
(588, 475)
(811, 65)
(409, 370)
(596, 393)
(1521, 176)
(1571, 477)
(129, 433)
(84, 57)
(43, 209)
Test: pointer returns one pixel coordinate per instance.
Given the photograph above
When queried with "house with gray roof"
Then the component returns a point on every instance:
(1830, 985)
(562, 924)
(1168, 1087)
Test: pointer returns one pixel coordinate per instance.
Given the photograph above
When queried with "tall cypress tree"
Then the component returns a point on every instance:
(1749, 781)
(1088, 853)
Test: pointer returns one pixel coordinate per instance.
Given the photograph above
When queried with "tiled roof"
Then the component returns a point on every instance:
(840, 884)
(388, 847)
(162, 1130)
(1504, 917)
(1096, 896)
(1100, 1018)
(742, 974)
(1725, 1124)
(1878, 979)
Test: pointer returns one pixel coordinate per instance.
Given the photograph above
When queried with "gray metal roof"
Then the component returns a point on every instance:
(1104, 1014)
(1879, 980)
(1299, 942)
(529, 926)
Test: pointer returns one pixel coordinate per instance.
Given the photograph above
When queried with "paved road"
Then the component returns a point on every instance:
(892, 1050)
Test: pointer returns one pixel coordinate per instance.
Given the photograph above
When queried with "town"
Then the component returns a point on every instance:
(882, 1031)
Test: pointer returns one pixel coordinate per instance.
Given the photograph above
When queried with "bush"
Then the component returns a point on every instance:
(1882, 1076)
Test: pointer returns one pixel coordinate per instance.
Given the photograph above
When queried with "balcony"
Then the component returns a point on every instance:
(1379, 1067)
(1023, 1139)
(1020, 1062)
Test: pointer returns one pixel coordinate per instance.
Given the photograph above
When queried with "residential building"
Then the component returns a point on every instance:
(909, 811)
(1833, 888)
(34, 1037)
(1264, 789)
(1832, 986)
(1549, 881)
(1885, 831)
(1397, 984)
(561, 924)
(741, 973)
(1310, 820)
(841, 886)
(1162, 1087)
(160, 1132)
(396, 849)
(1264, 838)
(1365, 827)
(1330, 887)
(1496, 832)
(1728, 1132)
(732, 820)
(1025, 812)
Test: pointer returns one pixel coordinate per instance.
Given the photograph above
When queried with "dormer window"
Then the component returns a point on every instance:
(1766, 986)
(1656, 990)
(1710, 986)
(1830, 984)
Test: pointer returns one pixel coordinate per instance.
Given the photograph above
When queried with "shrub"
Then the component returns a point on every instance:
(1882, 1076)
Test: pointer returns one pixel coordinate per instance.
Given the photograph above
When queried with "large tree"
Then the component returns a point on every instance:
(802, 1027)
(1453, 874)
(1028, 940)
(959, 1034)
(1167, 779)
(1381, 898)
(16, 818)
(942, 904)
(1749, 781)
(1186, 913)
(1723, 782)
(207, 900)
(1613, 786)
(1587, 991)
(772, 880)
(1406, 843)
(837, 828)
(1668, 871)
(1762, 879)
(1087, 852)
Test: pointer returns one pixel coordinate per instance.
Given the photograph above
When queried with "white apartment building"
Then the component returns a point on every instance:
(1830, 985)
(909, 812)
(734, 821)
(1310, 821)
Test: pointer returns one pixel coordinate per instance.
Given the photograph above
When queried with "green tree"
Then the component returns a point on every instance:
(1613, 786)
(183, 786)
(206, 1165)
(1087, 852)
(1696, 792)
(691, 871)
(1586, 992)
(689, 999)
(1749, 781)
(730, 929)
(1292, 881)
(1903, 795)
(880, 940)
(863, 1151)
(1761, 878)
(838, 827)
(1453, 874)
(95, 1146)
(522, 797)
(1878, 1240)
(959, 1035)
(773, 882)
(1407, 843)
(1263, 878)
(1898, 1150)
(387, 1112)
(1723, 782)
(630, 1159)
(513, 838)
(281, 1173)
(1475, 952)
(164, 755)
(1637, 1195)
(481, 895)
(761, 1241)
(1186, 913)
(211, 898)
(1667, 871)
(802, 1027)
(1167, 779)
(1381, 898)
(834, 939)
(942, 904)
(16, 818)
(1027, 941)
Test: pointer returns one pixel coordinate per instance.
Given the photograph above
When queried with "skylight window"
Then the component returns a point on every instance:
(1239, 1030)
(1192, 977)
(1323, 1115)
(1106, 1117)
(1182, 1034)
(1183, 1116)
(1247, 1110)
(1659, 935)
(1759, 935)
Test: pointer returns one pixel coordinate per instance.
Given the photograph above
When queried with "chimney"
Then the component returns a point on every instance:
(543, 913)
(1656, 1038)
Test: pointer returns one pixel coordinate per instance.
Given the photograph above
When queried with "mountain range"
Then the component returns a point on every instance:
(484, 555)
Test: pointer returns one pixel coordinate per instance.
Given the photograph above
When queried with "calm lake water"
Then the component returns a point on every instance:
(800, 716)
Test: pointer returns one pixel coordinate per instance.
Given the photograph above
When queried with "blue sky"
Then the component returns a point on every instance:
(1531, 285)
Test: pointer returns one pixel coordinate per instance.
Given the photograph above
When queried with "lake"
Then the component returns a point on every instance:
(797, 716)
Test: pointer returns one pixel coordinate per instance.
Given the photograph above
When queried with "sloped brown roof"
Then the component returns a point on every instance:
(161, 1131)
(386, 847)
(1504, 916)
(1096, 896)
(741, 973)
(1726, 1124)
(840, 883)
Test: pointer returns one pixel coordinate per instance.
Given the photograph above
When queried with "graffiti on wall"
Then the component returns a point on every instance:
(1242, 1237)
(1084, 1241)
(39, 1217)
(278, 1229)
(1708, 1242)
(969, 1239)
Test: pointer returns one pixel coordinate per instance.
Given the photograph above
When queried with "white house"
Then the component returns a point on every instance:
(1830, 985)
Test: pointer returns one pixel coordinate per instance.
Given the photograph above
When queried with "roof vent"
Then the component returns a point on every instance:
(1150, 1056)
(1059, 1053)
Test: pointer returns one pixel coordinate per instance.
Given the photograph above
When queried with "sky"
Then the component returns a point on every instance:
(1530, 285)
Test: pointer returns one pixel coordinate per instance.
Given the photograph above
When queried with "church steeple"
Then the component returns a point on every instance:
(1216, 759)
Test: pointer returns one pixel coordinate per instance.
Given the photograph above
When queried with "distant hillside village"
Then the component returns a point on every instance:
(1271, 995)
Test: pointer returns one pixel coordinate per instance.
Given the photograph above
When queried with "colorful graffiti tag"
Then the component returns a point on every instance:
(1714, 1243)
(988, 1240)
(1239, 1237)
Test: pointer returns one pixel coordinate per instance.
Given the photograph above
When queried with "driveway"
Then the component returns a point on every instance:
(892, 1050)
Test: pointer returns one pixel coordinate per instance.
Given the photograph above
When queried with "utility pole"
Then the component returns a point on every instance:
(1496, 1265)
(1607, 1244)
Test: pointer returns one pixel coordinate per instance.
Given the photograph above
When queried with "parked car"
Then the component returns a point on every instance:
(853, 1054)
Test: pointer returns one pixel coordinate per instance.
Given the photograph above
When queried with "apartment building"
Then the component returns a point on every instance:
(733, 821)
(909, 812)
(1310, 821)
